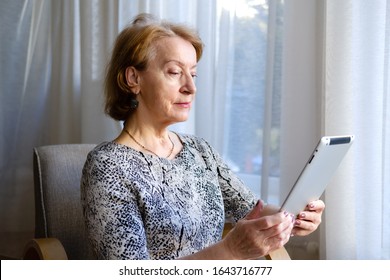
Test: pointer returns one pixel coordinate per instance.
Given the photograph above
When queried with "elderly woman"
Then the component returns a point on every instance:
(152, 193)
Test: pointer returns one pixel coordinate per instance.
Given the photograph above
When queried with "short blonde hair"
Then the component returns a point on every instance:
(134, 46)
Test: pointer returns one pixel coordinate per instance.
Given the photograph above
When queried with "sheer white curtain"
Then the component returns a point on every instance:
(53, 57)
(356, 100)
(51, 70)
(336, 81)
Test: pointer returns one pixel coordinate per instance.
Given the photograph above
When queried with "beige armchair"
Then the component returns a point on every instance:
(59, 225)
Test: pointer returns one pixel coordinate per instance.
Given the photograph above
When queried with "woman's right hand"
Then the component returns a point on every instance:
(259, 233)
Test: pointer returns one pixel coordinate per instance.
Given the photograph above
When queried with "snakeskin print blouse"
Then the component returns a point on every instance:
(139, 206)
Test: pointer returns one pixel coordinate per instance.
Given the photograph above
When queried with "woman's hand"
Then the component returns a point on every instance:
(309, 219)
(262, 231)
(256, 235)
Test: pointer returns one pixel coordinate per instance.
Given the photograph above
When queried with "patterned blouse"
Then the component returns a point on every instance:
(139, 206)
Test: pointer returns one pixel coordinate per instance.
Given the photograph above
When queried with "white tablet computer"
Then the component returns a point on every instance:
(317, 173)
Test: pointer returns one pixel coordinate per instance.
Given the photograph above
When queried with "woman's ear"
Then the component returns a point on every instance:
(132, 79)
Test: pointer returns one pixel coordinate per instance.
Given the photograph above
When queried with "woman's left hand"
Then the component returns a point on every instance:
(309, 219)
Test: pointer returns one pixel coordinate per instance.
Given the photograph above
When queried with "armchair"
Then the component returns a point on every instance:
(59, 225)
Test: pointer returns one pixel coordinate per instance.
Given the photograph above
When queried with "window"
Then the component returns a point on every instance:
(252, 114)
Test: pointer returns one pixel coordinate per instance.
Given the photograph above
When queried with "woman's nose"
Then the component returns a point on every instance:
(189, 86)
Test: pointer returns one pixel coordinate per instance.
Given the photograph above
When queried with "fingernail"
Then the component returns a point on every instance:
(297, 222)
(311, 205)
(292, 217)
(302, 215)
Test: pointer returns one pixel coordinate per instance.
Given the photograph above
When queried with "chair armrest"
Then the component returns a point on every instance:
(44, 249)
(278, 254)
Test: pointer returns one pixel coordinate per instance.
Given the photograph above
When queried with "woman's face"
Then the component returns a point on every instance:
(167, 85)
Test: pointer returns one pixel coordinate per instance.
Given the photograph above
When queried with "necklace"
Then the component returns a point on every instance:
(143, 147)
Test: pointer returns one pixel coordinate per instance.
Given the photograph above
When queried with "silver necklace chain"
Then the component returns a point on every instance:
(143, 147)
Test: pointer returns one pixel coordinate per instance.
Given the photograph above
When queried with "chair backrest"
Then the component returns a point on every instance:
(58, 211)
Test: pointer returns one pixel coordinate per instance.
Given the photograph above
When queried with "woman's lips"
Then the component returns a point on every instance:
(184, 104)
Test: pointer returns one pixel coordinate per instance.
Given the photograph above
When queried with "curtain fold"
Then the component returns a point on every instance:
(25, 82)
(356, 101)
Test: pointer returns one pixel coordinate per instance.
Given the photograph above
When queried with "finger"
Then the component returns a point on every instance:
(255, 226)
(265, 233)
(281, 235)
(285, 225)
(302, 228)
(317, 205)
(299, 232)
(310, 216)
(309, 220)
(270, 221)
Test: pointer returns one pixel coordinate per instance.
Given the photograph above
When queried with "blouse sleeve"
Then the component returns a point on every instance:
(238, 199)
(113, 220)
